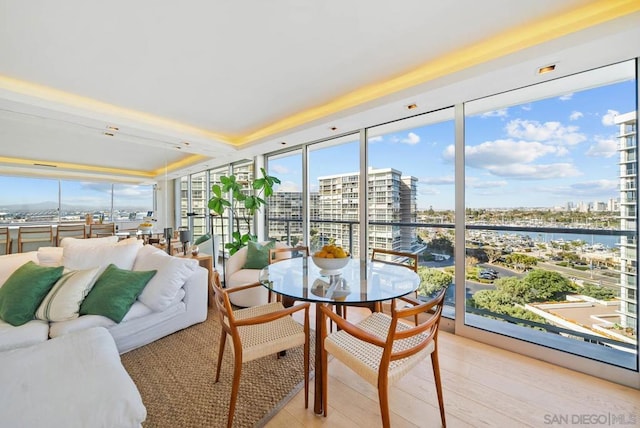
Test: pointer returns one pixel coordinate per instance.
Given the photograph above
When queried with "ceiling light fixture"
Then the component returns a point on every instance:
(109, 134)
(547, 69)
(284, 143)
(412, 106)
(112, 128)
(45, 164)
(334, 128)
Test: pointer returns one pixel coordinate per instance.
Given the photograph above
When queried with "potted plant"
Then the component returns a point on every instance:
(242, 204)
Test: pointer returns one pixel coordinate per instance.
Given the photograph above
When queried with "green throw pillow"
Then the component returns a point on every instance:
(24, 290)
(258, 254)
(115, 292)
(201, 239)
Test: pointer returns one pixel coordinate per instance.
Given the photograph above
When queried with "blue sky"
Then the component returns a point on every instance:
(539, 154)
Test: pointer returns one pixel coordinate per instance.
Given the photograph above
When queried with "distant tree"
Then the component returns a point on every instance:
(432, 280)
(521, 262)
(470, 261)
(547, 285)
(493, 254)
(441, 244)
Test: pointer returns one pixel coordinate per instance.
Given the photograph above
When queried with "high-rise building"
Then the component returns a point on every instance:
(627, 147)
(391, 198)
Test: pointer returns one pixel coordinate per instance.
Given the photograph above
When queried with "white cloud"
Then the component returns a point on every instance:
(503, 152)
(411, 139)
(288, 186)
(575, 115)
(566, 97)
(477, 183)
(436, 181)
(603, 148)
(535, 172)
(607, 119)
(526, 107)
(279, 169)
(503, 112)
(587, 189)
(375, 139)
(514, 159)
(548, 131)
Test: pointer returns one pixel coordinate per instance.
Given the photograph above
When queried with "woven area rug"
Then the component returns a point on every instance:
(175, 376)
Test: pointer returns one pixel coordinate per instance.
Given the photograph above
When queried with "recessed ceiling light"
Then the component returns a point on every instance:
(412, 106)
(178, 147)
(334, 128)
(185, 143)
(546, 69)
(284, 143)
(109, 134)
(112, 128)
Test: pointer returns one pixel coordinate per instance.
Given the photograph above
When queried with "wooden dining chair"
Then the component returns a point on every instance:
(98, 230)
(382, 348)
(397, 258)
(279, 254)
(256, 332)
(5, 241)
(34, 236)
(70, 231)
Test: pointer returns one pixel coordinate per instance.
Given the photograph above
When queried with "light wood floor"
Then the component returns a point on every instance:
(483, 387)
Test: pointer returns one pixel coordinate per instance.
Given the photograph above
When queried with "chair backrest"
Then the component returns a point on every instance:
(70, 230)
(5, 241)
(223, 306)
(426, 331)
(278, 254)
(97, 230)
(36, 235)
(399, 258)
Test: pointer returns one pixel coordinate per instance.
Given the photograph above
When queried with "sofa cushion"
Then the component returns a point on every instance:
(86, 256)
(11, 262)
(258, 254)
(89, 242)
(24, 290)
(161, 291)
(138, 310)
(50, 256)
(114, 292)
(30, 333)
(63, 300)
(74, 381)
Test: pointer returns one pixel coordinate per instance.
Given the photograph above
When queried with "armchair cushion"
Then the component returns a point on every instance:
(258, 254)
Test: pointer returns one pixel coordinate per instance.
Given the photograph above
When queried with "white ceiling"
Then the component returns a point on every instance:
(205, 82)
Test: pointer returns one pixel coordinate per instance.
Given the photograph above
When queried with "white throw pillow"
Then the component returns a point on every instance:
(89, 242)
(63, 301)
(10, 262)
(172, 273)
(85, 257)
(50, 256)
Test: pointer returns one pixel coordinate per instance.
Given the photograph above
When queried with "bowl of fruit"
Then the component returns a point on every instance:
(145, 227)
(331, 258)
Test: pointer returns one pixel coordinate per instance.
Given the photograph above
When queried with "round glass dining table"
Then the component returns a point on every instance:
(359, 282)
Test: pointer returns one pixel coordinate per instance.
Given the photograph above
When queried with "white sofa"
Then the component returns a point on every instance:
(175, 298)
(237, 275)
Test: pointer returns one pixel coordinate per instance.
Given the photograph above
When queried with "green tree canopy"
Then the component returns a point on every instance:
(432, 280)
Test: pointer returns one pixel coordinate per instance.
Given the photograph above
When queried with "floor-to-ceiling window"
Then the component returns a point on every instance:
(284, 211)
(411, 194)
(550, 189)
(333, 193)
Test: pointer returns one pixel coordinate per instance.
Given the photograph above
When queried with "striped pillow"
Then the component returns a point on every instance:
(64, 300)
